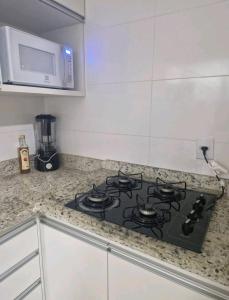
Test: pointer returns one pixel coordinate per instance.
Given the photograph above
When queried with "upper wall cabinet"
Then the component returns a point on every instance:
(59, 21)
(74, 5)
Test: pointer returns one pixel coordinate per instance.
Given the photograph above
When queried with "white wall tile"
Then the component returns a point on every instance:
(19, 109)
(110, 12)
(105, 146)
(120, 53)
(110, 108)
(113, 120)
(192, 43)
(168, 6)
(176, 155)
(9, 140)
(191, 108)
(222, 154)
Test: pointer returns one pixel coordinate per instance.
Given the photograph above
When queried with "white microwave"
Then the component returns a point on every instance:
(26, 59)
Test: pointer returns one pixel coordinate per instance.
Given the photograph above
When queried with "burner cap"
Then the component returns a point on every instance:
(124, 180)
(167, 190)
(147, 210)
(97, 198)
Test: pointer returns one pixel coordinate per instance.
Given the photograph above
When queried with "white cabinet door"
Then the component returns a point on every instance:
(17, 248)
(20, 280)
(35, 294)
(75, 5)
(128, 281)
(73, 269)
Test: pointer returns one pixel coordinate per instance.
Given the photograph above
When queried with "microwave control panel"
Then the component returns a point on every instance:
(68, 68)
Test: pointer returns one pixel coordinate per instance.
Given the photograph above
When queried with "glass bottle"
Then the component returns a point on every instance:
(23, 155)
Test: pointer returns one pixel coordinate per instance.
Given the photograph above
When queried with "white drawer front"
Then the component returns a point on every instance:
(20, 280)
(35, 294)
(17, 248)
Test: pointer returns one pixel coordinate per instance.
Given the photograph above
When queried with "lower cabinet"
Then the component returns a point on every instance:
(20, 276)
(128, 281)
(79, 266)
(52, 261)
(73, 268)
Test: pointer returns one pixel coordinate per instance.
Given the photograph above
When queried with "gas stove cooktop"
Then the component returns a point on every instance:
(163, 210)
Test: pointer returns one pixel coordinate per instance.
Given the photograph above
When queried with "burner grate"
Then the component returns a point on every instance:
(96, 200)
(147, 214)
(167, 191)
(125, 182)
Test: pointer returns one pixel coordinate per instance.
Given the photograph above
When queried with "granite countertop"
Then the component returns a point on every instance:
(22, 196)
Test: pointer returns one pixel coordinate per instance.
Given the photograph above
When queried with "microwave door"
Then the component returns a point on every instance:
(35, 61)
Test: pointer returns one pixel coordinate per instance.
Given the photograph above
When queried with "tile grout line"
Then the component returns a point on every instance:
(152, 86)
(103, 27)
(156, 80)
(139, 136)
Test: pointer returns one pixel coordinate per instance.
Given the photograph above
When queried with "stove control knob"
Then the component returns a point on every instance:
(198, 206)
(187, 227)
(202, 199)
(193, 215)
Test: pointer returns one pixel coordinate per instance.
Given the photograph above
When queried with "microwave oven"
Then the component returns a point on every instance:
(26, 59)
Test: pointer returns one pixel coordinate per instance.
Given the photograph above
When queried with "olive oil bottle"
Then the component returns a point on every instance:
(23, 155)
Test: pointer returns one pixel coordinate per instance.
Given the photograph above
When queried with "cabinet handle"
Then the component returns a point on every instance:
(77, 233)
(27, 291)
(18, 265)
(20, 228)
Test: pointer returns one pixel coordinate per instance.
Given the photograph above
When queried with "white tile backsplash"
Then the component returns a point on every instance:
(9, 140)
(105, 146)
(170, 6)
(109, 108)
(192, 43)
(222, 154)
(154, 84)
(120, 53)
(191, 108)
(111, 12)
(176, 155)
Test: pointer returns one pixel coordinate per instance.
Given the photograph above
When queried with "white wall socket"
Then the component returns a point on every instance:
(208, 142)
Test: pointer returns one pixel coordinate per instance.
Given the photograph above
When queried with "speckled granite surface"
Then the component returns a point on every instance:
(22, 196)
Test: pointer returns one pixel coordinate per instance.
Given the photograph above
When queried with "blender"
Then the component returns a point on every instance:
(47, 158)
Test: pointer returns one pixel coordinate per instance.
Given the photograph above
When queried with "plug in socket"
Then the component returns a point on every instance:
(208, 142)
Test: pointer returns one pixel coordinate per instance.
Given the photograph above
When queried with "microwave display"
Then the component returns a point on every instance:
(29, 58)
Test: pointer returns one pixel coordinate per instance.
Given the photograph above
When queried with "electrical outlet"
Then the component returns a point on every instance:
(208, 142)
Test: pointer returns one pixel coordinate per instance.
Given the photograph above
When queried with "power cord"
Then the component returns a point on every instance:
(204, 150)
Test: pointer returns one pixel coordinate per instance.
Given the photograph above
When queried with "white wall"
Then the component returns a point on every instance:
(16, 117)
(157, 80)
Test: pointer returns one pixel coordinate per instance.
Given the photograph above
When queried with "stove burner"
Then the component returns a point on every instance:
(147, 210)
(125, 182)
(96, 200)
(146, 214)
(167, 192)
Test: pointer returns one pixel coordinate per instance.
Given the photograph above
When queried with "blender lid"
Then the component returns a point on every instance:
(45, 117)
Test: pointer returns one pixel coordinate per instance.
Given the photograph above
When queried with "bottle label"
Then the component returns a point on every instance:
(25, 165)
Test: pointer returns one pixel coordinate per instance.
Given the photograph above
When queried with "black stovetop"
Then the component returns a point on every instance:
(166, 211)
